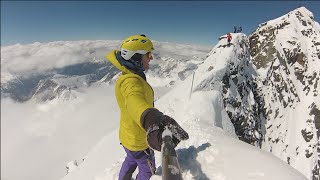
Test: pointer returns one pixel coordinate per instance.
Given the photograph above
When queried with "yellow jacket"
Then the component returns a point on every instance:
(134, 95)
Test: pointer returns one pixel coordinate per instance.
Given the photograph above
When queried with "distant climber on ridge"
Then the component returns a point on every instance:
(235, 29)
(229, 38)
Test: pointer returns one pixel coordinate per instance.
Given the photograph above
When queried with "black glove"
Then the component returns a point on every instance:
(155, 122)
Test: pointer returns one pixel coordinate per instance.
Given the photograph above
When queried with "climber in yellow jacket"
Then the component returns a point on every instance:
(141, 125)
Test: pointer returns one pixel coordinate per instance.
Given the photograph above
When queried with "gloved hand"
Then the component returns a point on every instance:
(155, 122)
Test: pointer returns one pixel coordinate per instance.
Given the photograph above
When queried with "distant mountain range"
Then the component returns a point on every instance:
(62, 82)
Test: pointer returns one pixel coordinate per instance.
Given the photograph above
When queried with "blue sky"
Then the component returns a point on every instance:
(191, 22)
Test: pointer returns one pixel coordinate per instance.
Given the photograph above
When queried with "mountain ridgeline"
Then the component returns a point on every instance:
(286, 55)
(269, 86)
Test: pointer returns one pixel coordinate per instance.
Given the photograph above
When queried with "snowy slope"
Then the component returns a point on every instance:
(213, 150)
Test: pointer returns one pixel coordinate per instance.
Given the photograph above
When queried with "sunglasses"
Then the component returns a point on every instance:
(149, 54)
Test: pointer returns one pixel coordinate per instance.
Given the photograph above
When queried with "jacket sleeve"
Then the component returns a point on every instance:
(135, 102)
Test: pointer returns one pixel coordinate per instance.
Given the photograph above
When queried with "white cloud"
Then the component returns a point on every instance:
(37, 140)
(38, 57)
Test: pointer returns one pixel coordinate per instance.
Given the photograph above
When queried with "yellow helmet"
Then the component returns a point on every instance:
(135, 44)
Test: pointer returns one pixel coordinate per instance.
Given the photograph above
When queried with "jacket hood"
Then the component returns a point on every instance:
(112, 57)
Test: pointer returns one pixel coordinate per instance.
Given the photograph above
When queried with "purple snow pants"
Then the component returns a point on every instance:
(143, 159)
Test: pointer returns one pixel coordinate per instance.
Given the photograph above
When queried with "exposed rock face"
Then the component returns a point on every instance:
(242, 107)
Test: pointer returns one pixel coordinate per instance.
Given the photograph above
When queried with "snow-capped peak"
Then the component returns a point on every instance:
(298, 16)
(286, 55)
